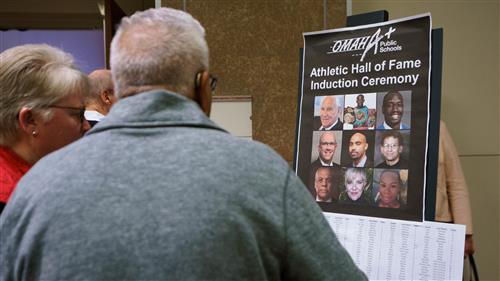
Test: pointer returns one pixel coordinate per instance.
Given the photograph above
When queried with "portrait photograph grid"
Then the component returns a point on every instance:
(360, 149)
(363, 114)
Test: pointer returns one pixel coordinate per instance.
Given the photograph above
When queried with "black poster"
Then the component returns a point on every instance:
(364, 118)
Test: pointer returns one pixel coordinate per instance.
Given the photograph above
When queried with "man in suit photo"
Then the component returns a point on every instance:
(393, 109)
(329, 114)
(391, 149)
(358, 147)
(327, 146)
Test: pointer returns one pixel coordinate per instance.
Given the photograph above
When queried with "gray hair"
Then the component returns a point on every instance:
(34, 76)
(158, 47)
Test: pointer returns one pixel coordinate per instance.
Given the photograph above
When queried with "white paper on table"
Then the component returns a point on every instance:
(387, 249)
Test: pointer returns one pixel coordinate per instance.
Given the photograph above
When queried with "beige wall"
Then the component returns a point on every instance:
(470, 103)
(59, 14)
(254, 50)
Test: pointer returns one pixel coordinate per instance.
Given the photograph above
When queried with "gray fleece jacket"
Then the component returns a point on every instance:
(156, 191)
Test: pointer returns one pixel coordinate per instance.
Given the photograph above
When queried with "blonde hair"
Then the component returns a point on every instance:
(351, 173)
(34, 76)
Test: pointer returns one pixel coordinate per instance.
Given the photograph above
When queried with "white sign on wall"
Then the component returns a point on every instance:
(234, 114)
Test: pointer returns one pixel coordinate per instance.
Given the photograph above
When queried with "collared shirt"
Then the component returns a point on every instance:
(323, 163)
(361, 163)
(12, 168)
(164, 125)
(401, 164)
(93, 115)
(326, 201)
(387, 127)
(330, 127)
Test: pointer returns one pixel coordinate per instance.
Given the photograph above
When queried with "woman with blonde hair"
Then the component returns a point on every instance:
(41, 108)
(355, 183)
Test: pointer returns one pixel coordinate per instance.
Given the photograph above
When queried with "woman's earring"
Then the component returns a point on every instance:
(34, 133)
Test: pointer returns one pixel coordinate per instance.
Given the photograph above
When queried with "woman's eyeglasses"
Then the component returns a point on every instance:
(80, 114)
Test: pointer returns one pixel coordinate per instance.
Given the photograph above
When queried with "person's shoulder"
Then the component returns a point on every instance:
(261, 151)
(316, 162)
(223, 139)
(60, 162)
(335, 165)
(5, 163)
(343, 197)
(365, 199)
(251, 153)
(339, 125)
(402, 163)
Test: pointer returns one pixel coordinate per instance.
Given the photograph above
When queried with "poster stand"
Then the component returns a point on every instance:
(434, 110)
(384, 247)
(435, 116)
(367, 18)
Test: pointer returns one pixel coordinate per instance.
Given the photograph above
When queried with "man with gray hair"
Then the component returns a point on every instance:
(174, 197)
(101, 96)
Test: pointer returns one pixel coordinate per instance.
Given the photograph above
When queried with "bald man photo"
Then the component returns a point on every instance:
(358, 150)
(329, 113)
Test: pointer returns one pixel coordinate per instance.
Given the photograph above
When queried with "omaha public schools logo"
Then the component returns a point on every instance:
(367, 43)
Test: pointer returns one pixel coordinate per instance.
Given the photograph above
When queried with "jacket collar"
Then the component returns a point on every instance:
(158, 108)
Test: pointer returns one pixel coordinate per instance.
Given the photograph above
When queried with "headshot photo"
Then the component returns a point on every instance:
(326, 150)
(357, 149)
(392, 149)
(324, 185)
(325, 191)
(395, 107)
(360, 111)
(390, 188)
(356, 187)
(328, 113)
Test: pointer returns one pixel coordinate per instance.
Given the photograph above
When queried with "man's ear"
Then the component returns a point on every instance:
(203, 92)
(27, 121)
(105, 97)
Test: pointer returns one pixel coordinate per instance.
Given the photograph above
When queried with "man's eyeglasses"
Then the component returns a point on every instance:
(328, 143)
(390, 146)
(212, 80)
(80, 114)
